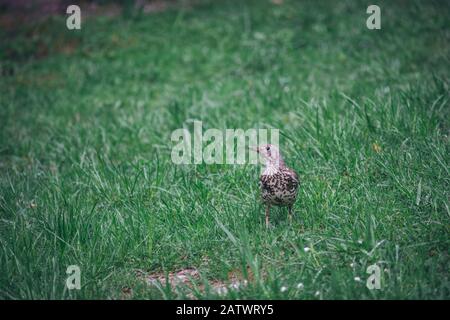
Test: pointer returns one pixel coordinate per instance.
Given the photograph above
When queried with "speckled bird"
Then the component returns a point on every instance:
(279, 184)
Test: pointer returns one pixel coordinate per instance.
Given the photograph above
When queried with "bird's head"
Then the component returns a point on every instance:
(271, 155)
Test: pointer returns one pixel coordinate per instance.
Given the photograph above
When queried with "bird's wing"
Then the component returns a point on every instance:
(294, 175)
(293, 180)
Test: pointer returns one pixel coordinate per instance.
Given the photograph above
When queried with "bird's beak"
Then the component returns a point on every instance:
(256, 149)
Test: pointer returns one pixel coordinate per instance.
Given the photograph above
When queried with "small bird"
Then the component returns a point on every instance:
(279, 184)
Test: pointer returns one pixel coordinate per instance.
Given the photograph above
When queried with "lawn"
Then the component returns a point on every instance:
(86, 176)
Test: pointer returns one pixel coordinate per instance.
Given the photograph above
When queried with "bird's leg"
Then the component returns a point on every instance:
(290, 214)
(267, 215)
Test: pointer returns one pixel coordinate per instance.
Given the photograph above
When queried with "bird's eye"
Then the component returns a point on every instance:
(267, 148)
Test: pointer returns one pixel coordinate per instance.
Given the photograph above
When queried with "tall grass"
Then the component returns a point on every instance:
(86, 176)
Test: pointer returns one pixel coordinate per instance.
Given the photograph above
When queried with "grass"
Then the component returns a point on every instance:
(86, 176)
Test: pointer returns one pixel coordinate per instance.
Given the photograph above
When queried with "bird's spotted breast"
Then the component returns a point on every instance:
(279, 188)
